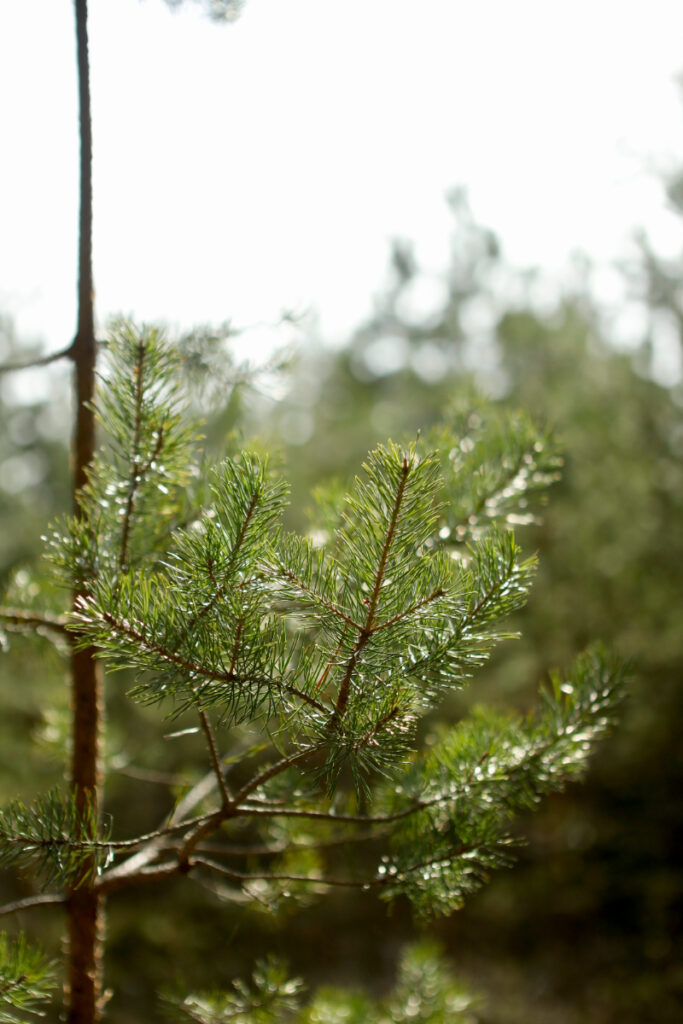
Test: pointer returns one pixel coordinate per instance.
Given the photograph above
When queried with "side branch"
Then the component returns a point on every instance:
(434, 596)
(232, 809)
(366, 631)
(41, 900)
(127, 629)
(253, 810)
(239, 876)
(305, 698)
(18, 619)
(29, 364)
(221, 588)
(214, 755)
(318, 598)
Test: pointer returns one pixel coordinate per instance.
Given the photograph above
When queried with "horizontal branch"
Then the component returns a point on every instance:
(154, 873)
(274, 850)
(194, 668)
(20, 619)
(28, 364)
(253, 810)
(240, 876)
(41, 900)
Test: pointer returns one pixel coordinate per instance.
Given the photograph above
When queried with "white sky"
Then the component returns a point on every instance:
(244, 169)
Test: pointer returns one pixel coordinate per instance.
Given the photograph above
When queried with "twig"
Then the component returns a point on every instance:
(251, 811)
(43, 899)
(215, 759)
(232, 809)
(306, 698)
(264, 850)
(272, 771)
(409, 611)
(158, 873)
(366, 631)
(19, 619)
(53, 357)
(318, 598)
(239, 876)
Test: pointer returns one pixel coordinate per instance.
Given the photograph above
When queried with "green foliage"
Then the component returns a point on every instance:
(499, 464)
(54, 836)
(336, 649)
(425, 993)
(137, 486)
(26, 980)
(309, 663)
(484, 771)
(271, 997)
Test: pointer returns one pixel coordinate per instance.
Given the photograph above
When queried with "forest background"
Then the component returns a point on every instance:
(585, 927)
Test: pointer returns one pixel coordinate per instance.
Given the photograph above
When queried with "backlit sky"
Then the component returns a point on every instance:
(247, 168)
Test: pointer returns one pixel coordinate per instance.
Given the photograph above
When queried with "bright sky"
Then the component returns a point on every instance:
(244, 169)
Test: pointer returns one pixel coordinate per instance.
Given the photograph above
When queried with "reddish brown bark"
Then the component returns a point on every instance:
(85, 907)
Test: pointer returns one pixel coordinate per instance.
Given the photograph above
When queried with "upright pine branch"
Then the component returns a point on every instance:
(85, 906)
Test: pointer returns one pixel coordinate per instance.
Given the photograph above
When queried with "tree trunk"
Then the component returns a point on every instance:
(85, 909)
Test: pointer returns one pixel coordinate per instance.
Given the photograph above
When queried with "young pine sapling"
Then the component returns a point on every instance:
(307, 662)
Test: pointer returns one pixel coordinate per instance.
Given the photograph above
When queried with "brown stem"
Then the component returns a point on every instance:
(232, 809)
(85, 907)
(366, 631)
(214, 755)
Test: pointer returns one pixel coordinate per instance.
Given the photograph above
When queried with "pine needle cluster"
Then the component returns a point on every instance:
(26, 980)
(425, 993)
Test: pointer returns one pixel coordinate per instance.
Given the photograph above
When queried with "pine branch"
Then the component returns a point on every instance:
(126, 629)
(111, 882)
(403, 615)
(58, 834)
(231, 809)
(317, 598)
(305, 697)
(269, 773)
(264, 876)
(332, 880)
(274, 850)
(365, 632)
(252, 810)
(26, 979)
(222, 588)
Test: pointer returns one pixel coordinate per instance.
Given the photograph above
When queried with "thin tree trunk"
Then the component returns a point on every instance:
(85, 908)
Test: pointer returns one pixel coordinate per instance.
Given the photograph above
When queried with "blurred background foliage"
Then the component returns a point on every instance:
(584, 928)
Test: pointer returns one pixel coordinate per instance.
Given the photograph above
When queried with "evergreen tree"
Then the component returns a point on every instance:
(308, 663)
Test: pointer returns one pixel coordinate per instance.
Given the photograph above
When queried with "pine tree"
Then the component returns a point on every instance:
(309, 663)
